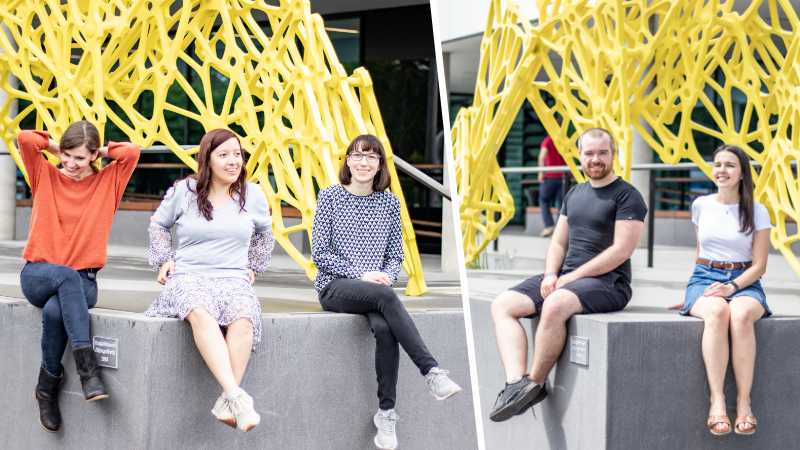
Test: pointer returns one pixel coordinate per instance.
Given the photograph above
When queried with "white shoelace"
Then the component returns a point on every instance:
(435, 375)
(388, 421)
(237, 404)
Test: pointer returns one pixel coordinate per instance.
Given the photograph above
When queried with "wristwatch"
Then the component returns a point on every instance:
(735, 286)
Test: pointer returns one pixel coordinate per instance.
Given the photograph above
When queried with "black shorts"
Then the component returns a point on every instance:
(605, 293)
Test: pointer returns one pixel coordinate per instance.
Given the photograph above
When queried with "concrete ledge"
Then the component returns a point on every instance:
(644, 386)
(312, 378)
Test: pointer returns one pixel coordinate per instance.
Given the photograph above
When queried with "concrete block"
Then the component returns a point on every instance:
(312, 378)
(644, 386)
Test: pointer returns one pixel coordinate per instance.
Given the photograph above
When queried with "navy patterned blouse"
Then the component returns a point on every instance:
(354, 234)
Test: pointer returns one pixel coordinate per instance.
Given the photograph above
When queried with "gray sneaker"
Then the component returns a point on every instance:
(241, 406)
(385, 421)
(222, 412)
(440, 385)
(516, 398)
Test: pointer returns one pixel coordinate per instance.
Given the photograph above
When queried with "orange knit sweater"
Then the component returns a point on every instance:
(71, 220)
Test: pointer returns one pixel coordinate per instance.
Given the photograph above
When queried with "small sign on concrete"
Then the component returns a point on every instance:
(107, 351)
(579, 350)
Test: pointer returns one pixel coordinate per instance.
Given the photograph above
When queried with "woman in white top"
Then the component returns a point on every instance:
(724, 289)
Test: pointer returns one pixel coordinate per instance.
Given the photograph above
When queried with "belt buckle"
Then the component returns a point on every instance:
(728, 265)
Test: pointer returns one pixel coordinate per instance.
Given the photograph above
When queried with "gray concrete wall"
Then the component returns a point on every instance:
(130, 228)
(312, 379)
(573, 416)
(657, 384)
(644, 386)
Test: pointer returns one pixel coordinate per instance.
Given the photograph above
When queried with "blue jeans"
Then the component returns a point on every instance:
(65, 296)
(703, 276)
(550, 194)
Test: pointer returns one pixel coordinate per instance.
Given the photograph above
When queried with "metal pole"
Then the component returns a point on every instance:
(421, 177)
(647, 166)
(651, 220)
(683, 195)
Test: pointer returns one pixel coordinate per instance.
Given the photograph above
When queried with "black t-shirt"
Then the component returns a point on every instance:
(591, 213)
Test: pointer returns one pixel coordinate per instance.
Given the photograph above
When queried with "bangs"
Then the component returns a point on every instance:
(364, 146)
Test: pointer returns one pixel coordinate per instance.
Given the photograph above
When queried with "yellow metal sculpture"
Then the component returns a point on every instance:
(636, 66)
(285, 88)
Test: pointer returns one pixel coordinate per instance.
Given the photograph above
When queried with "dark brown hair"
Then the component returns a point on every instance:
(81, 133)
(746, 220)
(208, 144)
(367, 143)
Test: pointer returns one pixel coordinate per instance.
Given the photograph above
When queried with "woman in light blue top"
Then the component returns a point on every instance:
(222, 227)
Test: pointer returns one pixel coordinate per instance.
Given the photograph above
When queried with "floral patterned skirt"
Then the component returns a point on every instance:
(226, 299)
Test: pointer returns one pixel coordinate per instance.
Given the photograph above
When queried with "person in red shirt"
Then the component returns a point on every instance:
(551, 184)
(73, 209)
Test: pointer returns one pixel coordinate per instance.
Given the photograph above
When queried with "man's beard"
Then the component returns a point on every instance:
(598, 175)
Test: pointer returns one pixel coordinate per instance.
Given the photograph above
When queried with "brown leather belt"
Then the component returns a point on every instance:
(723, 265)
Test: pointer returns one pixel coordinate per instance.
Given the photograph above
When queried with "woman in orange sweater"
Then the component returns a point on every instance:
(73, 208)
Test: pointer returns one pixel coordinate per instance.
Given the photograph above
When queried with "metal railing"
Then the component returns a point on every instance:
(401, 164)
(650, 167)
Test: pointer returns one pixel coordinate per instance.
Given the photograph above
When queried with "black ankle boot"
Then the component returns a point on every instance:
(86, 364)
(47, 396)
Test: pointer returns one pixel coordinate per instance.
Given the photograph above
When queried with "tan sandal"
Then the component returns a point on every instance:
(713, 421)
(751, 420)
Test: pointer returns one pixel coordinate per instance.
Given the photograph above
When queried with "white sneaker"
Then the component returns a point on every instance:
(440, 385)
(222, 412)
(241, 406)
(385, 421)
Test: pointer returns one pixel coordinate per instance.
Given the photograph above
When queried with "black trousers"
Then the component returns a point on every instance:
(391, 324)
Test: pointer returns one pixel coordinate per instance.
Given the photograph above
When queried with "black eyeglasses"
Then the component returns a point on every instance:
(358, 156)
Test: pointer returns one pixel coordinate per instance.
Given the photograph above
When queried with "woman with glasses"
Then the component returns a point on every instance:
(357, 246)
(222, 228)
(724, 289)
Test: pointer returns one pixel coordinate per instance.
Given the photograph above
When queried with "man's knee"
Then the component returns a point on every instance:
(512, 304)
(560, 305)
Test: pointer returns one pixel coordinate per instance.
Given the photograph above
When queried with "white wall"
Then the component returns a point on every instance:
(459, 18)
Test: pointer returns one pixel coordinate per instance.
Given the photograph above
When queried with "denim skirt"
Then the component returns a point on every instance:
(703, 276)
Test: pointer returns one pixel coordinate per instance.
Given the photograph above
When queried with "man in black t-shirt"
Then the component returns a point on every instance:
(587, 270)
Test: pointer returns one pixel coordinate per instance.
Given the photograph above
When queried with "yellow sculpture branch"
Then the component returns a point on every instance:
(636, 66)
(285, 87)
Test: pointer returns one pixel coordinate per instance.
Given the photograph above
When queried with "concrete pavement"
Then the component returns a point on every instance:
(127, 283)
